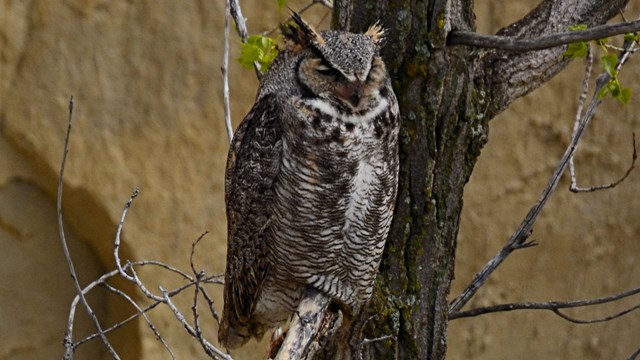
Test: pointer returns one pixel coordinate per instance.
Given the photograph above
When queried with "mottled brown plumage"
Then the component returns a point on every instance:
(311, 181)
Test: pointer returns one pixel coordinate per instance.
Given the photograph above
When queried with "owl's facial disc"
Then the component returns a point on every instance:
(349, 87)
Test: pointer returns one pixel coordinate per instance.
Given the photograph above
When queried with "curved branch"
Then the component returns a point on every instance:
(634, 355)
(634, 156)
(512, 43)
(554, 306)
(74, 277)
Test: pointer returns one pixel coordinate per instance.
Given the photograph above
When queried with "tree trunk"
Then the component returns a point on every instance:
(447, 96)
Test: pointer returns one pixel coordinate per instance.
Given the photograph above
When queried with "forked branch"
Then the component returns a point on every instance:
(519, 238)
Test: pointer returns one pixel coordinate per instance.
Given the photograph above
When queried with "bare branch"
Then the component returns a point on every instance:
(211, 350)
(68, 339)
(627, 49)
(581, 101)
(513, 43)
(69, 347)
(554, 306)
(520, 236)
(130, 318)
(225, 72)
(142, 313)
(236, 13)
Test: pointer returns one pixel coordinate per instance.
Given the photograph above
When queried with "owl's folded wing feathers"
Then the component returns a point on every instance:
(252, 166)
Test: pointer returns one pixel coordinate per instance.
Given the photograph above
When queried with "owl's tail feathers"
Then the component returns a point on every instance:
(232, 337)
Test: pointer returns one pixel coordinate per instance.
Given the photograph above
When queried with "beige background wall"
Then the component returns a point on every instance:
(147, 86)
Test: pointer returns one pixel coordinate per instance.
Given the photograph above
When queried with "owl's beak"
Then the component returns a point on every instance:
(352, 92)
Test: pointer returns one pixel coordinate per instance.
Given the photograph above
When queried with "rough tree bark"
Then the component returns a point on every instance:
(447, 96)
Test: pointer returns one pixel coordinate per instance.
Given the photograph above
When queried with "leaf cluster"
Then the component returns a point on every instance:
(258, 48)
(609, 62)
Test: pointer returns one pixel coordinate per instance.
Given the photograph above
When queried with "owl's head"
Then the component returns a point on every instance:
(338, 66)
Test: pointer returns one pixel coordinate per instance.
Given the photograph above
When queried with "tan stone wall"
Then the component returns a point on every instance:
(147, 86)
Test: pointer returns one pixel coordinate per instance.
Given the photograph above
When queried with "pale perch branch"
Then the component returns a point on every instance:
(305, 326)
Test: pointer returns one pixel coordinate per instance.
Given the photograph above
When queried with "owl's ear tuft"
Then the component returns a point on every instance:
(376, 32)
(301, 33)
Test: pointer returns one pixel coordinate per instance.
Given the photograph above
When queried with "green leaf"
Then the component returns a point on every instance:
(576, 50)
(258, 48)
(249, 54)
(625, 95)
(610, 62)
(281, 4)
(632, 37)
(614, 88)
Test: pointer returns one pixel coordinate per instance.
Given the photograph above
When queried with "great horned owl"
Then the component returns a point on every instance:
(311, 180)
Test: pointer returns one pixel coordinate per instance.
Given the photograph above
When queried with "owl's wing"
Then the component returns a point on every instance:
(252, 166)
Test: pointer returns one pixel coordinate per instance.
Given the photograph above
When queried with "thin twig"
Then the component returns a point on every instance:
(634, 156)
(211, 350)
(136, 280)
(68, 340)
(162, 265)
(116, 248)
(134, 316)
(635, 355)
(193, 251)
(551, 305)
(133, 277)
(69, 346)
(225, 72)
(142, 313)
(470, 38)
(325, 3)
(196, 291)
(366, 341)
(210, 304)
(597, 320)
